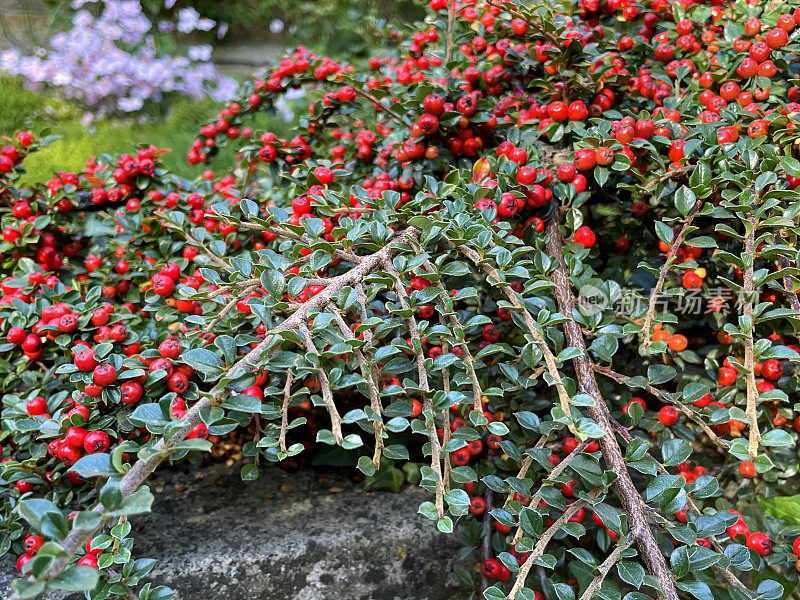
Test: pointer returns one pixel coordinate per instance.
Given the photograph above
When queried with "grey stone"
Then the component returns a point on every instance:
(300, 536)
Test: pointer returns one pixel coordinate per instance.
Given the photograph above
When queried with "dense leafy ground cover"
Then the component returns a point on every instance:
(548, 253)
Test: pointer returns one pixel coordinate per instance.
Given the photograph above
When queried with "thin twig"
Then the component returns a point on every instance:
(631, 500)
(787, 282)
(749, 349)
(446, 409)
(551, 477)
(223, 289)
(325, 386)
(541, 546)
(228, 308)
(362, 299)
(115, 543)
(673, 249)
(192, 240)
(527, 463)
(469, 361)
(671, 174)
(451, 20)
(291, 235)
(427, 401)
(370, 375)
(549, 358)
(605, 567)
(486, 545)
(376, 102)
(620, 378)
(536, 24)
(287, 393)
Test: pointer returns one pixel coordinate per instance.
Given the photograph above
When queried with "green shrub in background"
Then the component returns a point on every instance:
(175, 129)
(344, 28)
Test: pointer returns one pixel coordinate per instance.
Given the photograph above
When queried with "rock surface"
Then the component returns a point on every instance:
(301, 536)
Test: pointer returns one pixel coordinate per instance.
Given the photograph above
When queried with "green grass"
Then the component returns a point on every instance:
(24, 109)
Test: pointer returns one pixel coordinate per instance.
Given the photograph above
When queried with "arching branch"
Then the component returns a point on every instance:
(629, 497)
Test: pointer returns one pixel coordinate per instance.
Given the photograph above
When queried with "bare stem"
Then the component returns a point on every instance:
(192, 240)
(486, 545)
(228, 308)
(787, 282)
(541, 546)
(370, 375)
(451, 19)
(749, 349)
(376, 102)
(629, 497)
(552, 476)
(549, 358)
(291, 235)
(605, 567)
(469, 361)
(223, 289)
(325, 385)
(445, 411)
(427, 401)
(527, 463)
(287, 393)
(673, 249)
(620, 378)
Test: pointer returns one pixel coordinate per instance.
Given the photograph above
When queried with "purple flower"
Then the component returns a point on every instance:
(201, 53)
(189, 20)
(129, 104)
(110, 62)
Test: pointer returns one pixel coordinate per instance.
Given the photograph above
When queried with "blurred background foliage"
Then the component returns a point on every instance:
(23, 109)
(258, 31)
(343, 29)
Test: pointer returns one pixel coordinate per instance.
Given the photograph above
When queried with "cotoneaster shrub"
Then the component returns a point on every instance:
(442, 265)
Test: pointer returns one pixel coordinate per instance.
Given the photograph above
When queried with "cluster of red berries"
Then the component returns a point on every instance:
(295, 66)
(12, 155)
(33, 543)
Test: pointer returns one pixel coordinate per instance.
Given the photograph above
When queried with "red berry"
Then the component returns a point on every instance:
(747, 469)
(32, 543)
(727, 376)
(96, 441)
(90, 560)
(585, 237)
(668, 415)
(85, 359)
(75, 437)
(131, 392)
(37, 406)
(491, 568)
(771, 369)
(477, 505)
(16, 335)
(104, 375)
(760, 543)
(433, 104)
(22, 560)
(162, 285)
